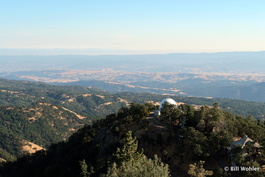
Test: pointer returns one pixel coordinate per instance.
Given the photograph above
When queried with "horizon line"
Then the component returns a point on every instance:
(102, 52)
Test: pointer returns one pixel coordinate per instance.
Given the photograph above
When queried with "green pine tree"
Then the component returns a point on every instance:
(128, 152)
(134, 164)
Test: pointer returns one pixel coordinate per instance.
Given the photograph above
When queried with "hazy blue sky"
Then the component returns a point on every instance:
(155, 26)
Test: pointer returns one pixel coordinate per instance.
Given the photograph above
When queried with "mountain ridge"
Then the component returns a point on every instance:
(112, 142)
(239, 62)
(32, 106)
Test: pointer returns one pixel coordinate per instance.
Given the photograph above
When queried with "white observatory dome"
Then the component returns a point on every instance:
(168, 100)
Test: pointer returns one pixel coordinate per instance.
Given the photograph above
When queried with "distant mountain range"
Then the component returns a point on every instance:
(237, 75)
(226, 62)
(252, 92)
(247, 87)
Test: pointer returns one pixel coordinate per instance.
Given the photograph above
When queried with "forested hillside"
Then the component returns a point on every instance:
(132, 141)
(95, 103)
(90, 102)
(41, 123)
(45, 114)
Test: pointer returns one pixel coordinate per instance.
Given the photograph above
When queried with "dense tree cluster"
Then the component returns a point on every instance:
(209, 131)
(131, 163)
(82, 154)
(181, 137)
(108, 146)
(40, 123)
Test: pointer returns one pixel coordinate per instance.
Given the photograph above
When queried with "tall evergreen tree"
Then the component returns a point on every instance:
(128, 152)
(134, 164)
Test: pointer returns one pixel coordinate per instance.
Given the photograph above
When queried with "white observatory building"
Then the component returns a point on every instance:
(169, 101)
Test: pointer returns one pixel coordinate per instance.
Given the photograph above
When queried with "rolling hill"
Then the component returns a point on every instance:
(127, 141)
(44, 114)
(41, 123)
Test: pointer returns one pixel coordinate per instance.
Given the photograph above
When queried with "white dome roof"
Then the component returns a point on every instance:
(168, 100)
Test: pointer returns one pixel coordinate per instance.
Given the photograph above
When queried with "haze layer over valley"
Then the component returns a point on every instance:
(225, 62)
(238, 75)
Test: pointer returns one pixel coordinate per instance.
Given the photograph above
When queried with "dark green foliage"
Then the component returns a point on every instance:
(63, 159)
(218, 141)
(85, 101)
(40, 123)
(142, 167)
(10, 145)
(128, 152)
(108, 147)
(170, 113)
(89, 151)
(196, 143)
(211, 130)
(238, 107)
(197, 170)
(24, 93)
(134, 164)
